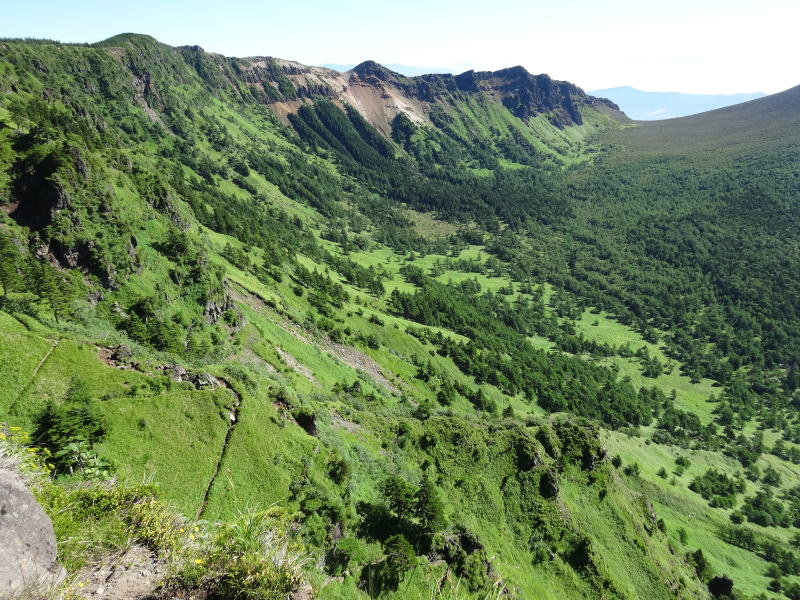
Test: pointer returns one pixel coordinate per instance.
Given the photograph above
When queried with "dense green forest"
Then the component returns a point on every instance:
(507, 343)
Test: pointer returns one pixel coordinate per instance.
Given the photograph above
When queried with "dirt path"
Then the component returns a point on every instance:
(296, 365)
(132, 575)
(24, 390)
(234, 420)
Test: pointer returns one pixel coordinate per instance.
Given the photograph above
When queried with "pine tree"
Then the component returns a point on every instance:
(10, 277)
(399, 495)
(54, 288)
(429, 507)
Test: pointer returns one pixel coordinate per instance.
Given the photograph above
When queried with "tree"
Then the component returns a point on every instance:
(683, 536)
(698, 560)
(70, 429)
(54, 288)
(399, 495)
(429, 507)
(771, 477)
(720, 586)
(400, 556)
(10, 277)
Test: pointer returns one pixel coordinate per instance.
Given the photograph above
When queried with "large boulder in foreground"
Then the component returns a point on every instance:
(27, 541)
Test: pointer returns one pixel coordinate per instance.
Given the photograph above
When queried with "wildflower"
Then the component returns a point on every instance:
(198, 561)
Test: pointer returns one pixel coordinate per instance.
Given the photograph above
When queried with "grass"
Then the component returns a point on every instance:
(599, 326)
(172, 439)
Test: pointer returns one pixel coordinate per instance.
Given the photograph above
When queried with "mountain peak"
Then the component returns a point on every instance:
(370, 68)
(517, 71)
(129, 38)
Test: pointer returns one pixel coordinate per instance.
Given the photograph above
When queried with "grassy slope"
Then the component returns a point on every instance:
(174, 437)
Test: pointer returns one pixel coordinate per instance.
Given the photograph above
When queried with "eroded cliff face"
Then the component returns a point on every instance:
(380, 94)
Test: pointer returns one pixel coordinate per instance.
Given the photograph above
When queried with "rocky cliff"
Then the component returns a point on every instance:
(379, 94)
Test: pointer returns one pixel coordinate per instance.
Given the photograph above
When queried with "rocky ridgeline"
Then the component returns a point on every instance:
(275, 81)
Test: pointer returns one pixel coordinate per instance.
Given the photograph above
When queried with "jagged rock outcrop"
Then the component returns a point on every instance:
(380, 94)
(376, 92)
(27, 542)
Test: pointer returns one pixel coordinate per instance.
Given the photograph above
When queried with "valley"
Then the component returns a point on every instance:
(471, 336)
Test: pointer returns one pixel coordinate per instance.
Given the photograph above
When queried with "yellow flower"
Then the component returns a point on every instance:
(198, 561)
(191, 536)
(15, 428)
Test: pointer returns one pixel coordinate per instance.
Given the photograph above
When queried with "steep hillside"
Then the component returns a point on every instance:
(755, 126)
(434, 320)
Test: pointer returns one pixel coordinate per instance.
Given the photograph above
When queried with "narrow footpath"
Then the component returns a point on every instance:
(234, 420)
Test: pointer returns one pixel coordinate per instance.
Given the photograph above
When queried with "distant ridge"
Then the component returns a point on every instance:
(767, 123)
(650, 106)
(407, 70)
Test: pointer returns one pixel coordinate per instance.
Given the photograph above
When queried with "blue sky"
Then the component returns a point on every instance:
(697, 46)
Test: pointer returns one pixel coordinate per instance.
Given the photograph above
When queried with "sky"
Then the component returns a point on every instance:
(689, 46)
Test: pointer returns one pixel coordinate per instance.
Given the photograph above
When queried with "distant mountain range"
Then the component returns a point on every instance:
(651, 106)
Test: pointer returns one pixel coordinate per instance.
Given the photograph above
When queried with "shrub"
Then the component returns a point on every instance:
(250, 558)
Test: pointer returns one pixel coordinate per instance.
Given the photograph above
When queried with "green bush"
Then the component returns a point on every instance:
(250, 558)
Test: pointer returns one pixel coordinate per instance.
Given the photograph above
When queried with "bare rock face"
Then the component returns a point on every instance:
(27, 541)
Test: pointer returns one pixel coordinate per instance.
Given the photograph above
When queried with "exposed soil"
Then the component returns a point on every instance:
(350, 356)
(361, 362)
(132, 575)
(296, 366)
(342, 423)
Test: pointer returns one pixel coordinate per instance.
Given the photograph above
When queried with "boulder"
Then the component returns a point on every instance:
(27, 542)
(122, 354)
(203, 380)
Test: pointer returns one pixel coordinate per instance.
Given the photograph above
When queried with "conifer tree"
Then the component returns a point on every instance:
(10, 277)
(429, 508)
(53, 287)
